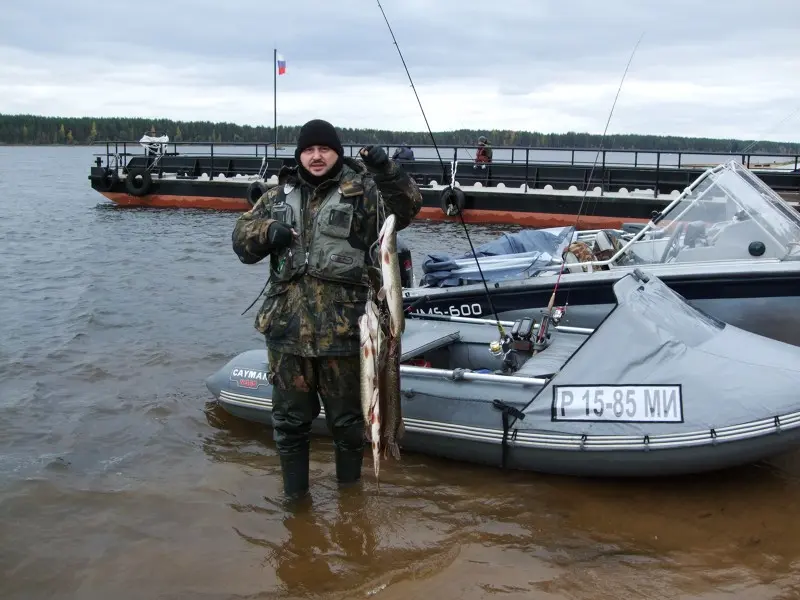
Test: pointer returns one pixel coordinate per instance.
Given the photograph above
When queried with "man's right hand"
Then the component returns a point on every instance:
(279, 235)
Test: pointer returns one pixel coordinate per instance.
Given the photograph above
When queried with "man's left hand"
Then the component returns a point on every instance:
(375, 157)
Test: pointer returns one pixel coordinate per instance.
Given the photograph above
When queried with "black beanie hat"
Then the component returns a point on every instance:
(318, 133)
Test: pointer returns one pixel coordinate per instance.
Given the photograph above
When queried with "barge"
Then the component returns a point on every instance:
(520, 187)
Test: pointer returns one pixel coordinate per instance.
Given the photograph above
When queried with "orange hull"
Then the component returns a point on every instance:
(498, 217)
(173, 201)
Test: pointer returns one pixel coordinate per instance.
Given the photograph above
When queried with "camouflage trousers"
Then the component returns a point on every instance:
(298, 384)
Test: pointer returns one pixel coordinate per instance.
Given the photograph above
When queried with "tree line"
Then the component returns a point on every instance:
(34, 129)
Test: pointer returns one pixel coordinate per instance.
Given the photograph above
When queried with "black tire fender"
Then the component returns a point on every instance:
(452, 201)
(254, 191)
(141, 186)
(108, 179)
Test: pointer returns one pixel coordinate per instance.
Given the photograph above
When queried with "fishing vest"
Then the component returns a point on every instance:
(325, 251)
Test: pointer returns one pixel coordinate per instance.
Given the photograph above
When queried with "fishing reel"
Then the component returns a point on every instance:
(505, 348)
(502, 348)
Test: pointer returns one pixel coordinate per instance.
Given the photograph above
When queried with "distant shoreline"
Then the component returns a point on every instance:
(788, 153)
(36, 130)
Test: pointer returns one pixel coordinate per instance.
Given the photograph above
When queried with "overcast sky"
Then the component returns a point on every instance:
(718, 68)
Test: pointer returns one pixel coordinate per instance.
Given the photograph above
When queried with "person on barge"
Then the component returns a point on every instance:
(483, 154)
(403, 152)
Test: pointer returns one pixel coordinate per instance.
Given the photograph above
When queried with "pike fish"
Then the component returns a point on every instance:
(392, 289)
(389, 377)
(381, 328)
(370, 335)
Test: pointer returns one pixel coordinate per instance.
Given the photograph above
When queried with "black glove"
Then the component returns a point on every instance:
(375, 157)
(279, 235)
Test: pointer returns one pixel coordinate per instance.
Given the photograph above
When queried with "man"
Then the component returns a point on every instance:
(317, 226)
(404, 152)
(484, 153)
(153, 147)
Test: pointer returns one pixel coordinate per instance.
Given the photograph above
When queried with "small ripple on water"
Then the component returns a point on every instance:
(90, 372)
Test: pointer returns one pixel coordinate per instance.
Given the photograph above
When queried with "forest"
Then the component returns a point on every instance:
(40, 130)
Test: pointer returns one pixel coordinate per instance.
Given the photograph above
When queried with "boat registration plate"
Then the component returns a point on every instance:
(618, 403)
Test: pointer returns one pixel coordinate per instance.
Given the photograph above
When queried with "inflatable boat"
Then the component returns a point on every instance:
(657, 388)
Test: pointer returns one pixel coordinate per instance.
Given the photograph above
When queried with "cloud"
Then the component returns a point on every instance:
(702, 68)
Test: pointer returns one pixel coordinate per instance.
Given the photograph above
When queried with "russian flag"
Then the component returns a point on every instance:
(281, 64)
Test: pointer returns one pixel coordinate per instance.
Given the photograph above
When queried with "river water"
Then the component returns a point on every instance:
(118, 477)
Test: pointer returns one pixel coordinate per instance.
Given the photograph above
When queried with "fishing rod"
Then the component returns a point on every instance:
(543, 330)
(441, 162)
(602, 137)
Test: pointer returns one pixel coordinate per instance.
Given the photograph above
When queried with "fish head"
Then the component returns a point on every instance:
(364, 330)
(371, 317)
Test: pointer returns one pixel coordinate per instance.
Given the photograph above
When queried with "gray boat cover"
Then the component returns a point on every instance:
(658, 366)
(511, 256)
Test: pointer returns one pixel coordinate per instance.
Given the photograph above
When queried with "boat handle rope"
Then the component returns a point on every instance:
(507, 410)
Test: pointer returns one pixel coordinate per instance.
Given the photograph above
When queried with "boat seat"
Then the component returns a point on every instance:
(577, 253)
(425, 339)
(552, 358)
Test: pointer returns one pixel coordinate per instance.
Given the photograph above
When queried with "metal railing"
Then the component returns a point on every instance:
(514, 154)
(116, 152)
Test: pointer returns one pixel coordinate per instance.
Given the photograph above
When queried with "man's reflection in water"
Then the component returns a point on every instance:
(326, 549)
(331, 542)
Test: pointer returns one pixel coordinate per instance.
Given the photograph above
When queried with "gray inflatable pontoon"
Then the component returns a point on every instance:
(658, 388)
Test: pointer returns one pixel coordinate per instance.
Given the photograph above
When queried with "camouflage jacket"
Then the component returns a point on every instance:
(309, 316)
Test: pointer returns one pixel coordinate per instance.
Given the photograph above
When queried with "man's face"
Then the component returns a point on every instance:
(318, 160)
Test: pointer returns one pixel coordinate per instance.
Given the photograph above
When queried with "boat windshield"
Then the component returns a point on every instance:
(728, 214)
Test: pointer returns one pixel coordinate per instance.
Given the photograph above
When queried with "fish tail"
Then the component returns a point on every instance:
(395, 448)
(392, 449)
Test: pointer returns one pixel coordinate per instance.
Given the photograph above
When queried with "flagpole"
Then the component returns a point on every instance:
(275, 95)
